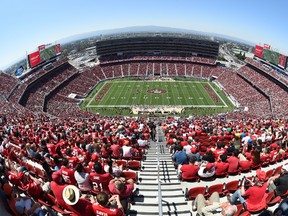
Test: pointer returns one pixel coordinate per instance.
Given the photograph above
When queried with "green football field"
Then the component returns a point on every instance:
(197, 96)
(179, 93)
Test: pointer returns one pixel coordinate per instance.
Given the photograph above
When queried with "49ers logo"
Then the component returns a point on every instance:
(157, 91)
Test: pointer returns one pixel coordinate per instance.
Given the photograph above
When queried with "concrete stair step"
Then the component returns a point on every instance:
(154, 200)
(155, 172)
(166, 207)
(156, 213)
(148, 178)
(172, 170)
(161, 161)
(154, 185)
(165, 193)
(148, 181)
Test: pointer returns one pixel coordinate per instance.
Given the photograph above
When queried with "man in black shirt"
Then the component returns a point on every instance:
(279, 183)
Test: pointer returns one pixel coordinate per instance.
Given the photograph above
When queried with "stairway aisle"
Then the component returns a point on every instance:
(146, 200)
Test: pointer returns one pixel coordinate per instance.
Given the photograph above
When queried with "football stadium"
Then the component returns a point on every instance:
(153, 123)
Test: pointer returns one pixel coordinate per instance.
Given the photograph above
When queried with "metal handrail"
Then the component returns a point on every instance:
(159, 181)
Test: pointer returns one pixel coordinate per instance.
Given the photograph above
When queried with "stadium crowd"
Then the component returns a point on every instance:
(204, 149)
(69, 161)
(68, 155)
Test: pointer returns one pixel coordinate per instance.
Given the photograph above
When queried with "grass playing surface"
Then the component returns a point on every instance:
(124, 93)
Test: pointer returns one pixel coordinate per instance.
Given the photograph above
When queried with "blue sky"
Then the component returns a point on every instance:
(27, 24)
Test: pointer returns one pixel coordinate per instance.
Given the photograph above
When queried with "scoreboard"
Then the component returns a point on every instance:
(271, 56)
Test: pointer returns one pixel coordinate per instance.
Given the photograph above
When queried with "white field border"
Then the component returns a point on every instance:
(160, 106)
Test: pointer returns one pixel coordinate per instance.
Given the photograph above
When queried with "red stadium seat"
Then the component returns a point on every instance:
(231, 187)
(193, 192)
(277, 170)
(219, 188)
(134, 165)
(130, 175)
(271, 200)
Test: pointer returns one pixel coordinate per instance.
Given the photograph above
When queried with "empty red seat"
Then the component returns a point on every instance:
(193, 192)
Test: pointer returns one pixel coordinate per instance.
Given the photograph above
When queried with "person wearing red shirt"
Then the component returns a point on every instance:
(122, 187)
(51, 148)
(76, 150)
(189, 171)
(100, 179)
(255, 196)
(116, 150)
(138, 152)
(219, 151)
(72, 162)
(105, 151)
(233, 162)
(57, 186)
(103, 207)
(67, 174)
(183, 142)
(222, 166)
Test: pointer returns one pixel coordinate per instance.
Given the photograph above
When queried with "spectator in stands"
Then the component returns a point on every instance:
(189, 171)
(105, 151)
(231, 148)
(82, 178)
(116, 150)
(255, 196)
(75, 203)
(58, 163)
(256, 157)
(142, 142)
(206, 170)
(219, 150)
(32, 151)
(221, 166)
(194, 153)
(22, 205)
(100, 179)
(213, 206)
(180, 156)
(113, 168)
(209, 157)
(152, 127)
(138, 152)
(124, 188)
(57, 187)
(67, 174)
(233, 162)
(279, 182)
(127, 150)
(106, 205)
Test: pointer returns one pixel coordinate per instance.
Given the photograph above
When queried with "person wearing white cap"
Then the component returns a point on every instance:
(75, 203)
(279, 182)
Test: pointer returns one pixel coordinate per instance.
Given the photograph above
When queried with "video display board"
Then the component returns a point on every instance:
(34, 59)
(271, 56)
(282, 61)
(43, 54)
(258, 51)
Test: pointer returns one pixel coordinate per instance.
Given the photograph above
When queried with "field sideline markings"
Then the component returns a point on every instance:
(188, 82)
(160, 106)
(148, 81)
(92, 99)
(225, 105)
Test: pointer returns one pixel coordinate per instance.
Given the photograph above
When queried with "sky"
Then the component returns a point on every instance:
(26, 24)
